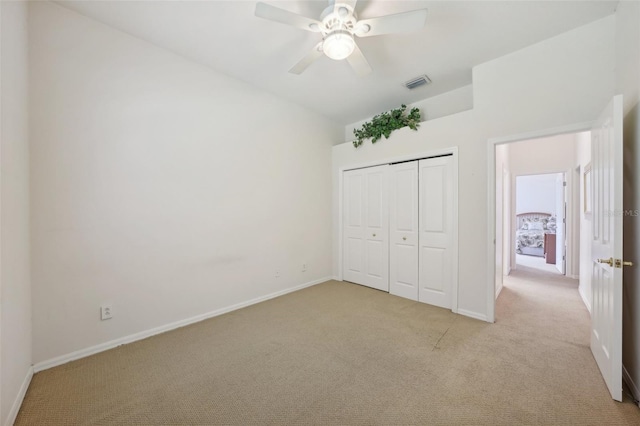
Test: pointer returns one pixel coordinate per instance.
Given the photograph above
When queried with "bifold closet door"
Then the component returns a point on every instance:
(403, 230)
(436, 231)
(366, 227)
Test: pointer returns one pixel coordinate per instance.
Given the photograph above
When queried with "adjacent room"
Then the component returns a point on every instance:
(540, 218)
(319, 212)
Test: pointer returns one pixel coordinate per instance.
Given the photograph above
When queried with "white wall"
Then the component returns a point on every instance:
(584, 158)
(15, 290)
(554, 154)
(161, 186)
(564, 80)
(627, 62)
(536, 193)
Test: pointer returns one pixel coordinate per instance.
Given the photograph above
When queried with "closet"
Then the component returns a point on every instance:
(398, 228)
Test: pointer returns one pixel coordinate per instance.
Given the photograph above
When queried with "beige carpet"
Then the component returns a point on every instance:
(339, 353)
(536, 262)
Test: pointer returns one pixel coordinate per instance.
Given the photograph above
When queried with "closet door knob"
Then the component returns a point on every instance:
(404, 238)
(374, 235)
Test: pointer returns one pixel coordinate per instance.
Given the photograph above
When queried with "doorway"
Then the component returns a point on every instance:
(540, 217)
(539, 222)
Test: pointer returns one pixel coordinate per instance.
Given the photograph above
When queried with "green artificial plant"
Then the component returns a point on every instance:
(385, 123)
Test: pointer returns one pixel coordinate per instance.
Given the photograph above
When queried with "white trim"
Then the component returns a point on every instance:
(336, 278)
(15, 408)
(575, 277)
(453, 151)
(632, 386)
(499, 291)
(456, 214)
(474, 315)
(491, 205)
(585, 300)
(409, 157)
(491, 231)
(544, 133)
(82, 353)
(340, 233)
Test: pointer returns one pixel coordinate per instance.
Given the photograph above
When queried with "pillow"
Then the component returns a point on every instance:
(536, 226)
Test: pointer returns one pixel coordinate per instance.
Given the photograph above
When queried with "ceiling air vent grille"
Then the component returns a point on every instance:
(417, 82)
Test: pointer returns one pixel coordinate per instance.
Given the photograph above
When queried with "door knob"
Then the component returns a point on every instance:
(608, 261)
(374, 235)
(404, 238)
(620, 263)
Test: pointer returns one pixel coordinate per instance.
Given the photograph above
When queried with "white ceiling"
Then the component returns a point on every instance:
(226, 36)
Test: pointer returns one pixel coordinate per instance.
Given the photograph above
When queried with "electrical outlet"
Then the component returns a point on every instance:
(106, 312)
(304, 267)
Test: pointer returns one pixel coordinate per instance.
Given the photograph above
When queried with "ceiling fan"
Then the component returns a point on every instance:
(338, 25)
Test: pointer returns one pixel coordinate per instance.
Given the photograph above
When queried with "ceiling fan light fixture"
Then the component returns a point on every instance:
(338, 45)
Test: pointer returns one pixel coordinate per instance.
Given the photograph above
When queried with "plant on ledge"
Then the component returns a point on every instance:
(385, 123)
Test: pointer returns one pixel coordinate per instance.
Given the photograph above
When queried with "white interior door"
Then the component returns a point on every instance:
(561, 223)
(436, 231)
(606, 245)
(366, 227)
(403, 230)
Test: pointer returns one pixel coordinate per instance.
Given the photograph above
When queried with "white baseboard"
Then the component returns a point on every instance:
(629, 381)
(82, 353)
(15, 408)
(474, 315)
(584, 299)
(498, 291)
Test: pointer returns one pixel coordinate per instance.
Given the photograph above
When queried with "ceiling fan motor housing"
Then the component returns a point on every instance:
(338, 17)
(338, 26)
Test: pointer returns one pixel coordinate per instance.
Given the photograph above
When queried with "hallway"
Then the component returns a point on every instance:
(546, 305)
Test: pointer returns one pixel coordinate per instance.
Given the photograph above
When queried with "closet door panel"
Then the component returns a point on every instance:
(433, 261)
(436, 231)
(403, 230)
(366, 227)
(377, 227)
(353, 226)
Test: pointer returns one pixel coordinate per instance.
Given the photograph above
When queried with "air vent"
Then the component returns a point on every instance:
(417, 82)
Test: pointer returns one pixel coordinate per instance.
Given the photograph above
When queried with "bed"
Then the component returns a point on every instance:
(530, 231)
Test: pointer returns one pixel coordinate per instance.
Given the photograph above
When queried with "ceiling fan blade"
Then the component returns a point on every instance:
(358, 62)
(273, 13)
(309, 58)
(398, 23)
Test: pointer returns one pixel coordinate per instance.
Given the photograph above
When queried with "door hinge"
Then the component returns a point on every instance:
(564, 183)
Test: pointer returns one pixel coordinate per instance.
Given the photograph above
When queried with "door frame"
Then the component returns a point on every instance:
(491, 198)
(453, 151)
